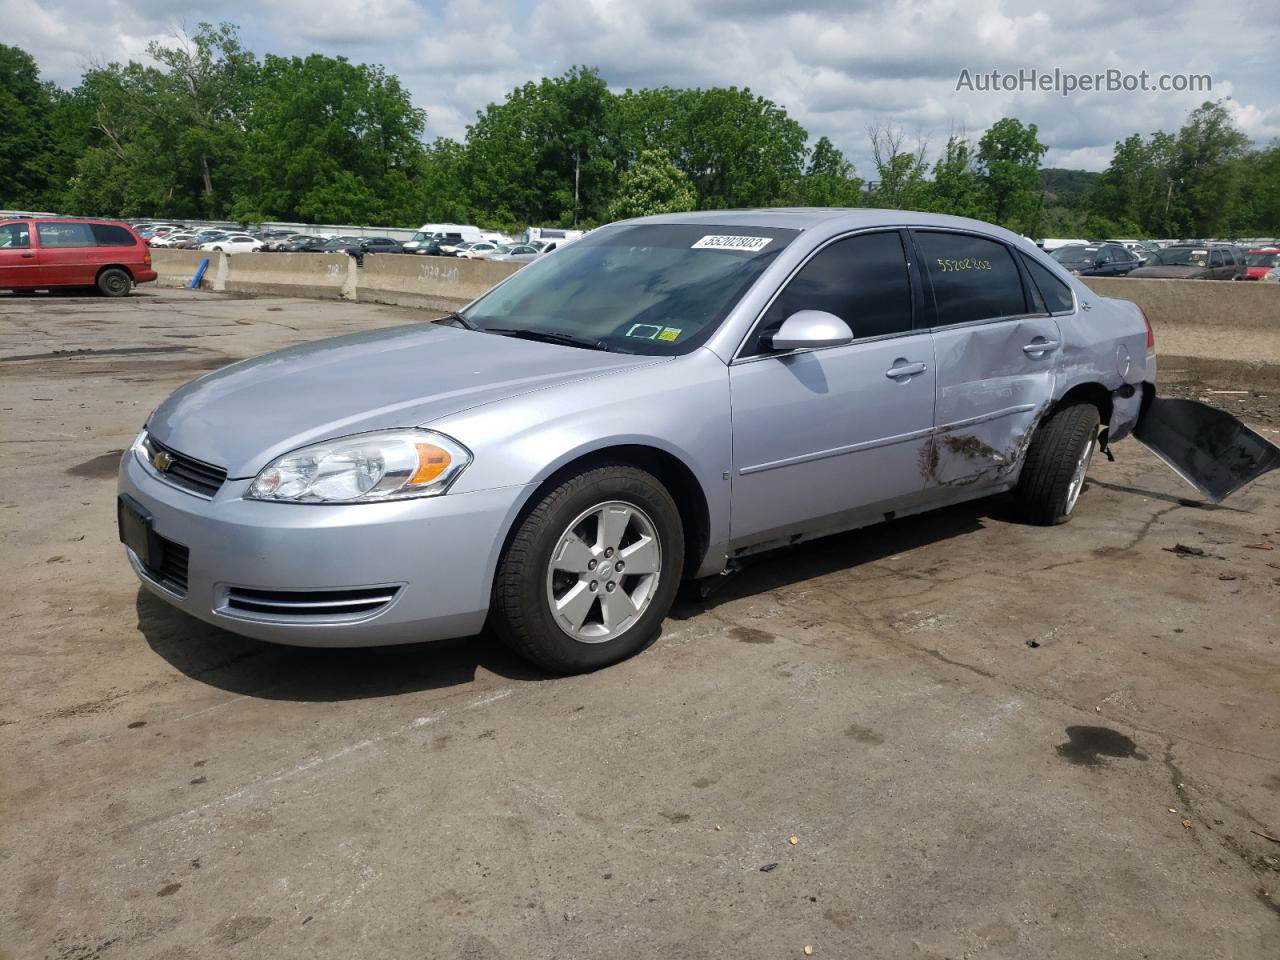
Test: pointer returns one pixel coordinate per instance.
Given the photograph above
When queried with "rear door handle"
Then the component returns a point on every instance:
(902, 368)
(1039, 347)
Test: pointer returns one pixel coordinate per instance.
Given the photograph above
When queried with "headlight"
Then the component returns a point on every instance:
(387, 465)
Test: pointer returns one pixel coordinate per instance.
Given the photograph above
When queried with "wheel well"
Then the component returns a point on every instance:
(1094, 393)
(112, 266)
(679, 480)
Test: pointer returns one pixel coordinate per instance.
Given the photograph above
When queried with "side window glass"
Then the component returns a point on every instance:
(1056, 294)
(863, 280)
(15, 236)
(973, 278)
(65, 235)
(109, 235)
(1215, 259)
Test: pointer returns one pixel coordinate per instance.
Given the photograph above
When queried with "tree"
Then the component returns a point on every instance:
(957, 186)
(901, 184)
(25, 105)
(1206, 166)
(653, 184)
(1009, 160)
(829, 180)
(329, 141)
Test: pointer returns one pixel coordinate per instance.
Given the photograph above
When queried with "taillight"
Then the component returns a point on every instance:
(1151, 334)
(146, 258)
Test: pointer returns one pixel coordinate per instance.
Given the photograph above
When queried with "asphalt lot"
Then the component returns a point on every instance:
(171, 791)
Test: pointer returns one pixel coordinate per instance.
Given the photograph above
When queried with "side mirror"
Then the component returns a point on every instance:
(807, 329)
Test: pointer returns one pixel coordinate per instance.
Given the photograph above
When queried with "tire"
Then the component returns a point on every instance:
(1056, 464)
(114, 282)
(542, 566)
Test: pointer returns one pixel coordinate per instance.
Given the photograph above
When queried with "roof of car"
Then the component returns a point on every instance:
(829, 218)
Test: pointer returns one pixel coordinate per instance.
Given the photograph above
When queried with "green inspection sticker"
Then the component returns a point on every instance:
(670, 334)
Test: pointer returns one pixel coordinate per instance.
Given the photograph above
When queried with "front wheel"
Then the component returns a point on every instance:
(1056, 464)
(591, 571)
(114, 282)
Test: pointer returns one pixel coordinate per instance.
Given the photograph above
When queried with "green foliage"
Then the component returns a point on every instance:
(1009, 160)
(829, 180)
(653, 184)
(206, 128)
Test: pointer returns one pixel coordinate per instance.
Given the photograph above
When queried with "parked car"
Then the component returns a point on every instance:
(203, 237)
(233, 243)
(172, 239)
(1210, 261)
(282, 240)
(455, 248)
(653, 403)
(441, 233)
(1096, 260)
(482, 250)
(380, 245)
(524, 252)
(1261, 261)
(303, 245)
(62, 252)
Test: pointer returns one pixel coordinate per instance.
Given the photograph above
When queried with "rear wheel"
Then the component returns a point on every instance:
(1056, 464)
(114, 282)
(591, 571)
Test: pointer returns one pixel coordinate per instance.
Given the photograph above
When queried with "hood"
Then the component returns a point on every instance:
(246, 414)
(1171, 272)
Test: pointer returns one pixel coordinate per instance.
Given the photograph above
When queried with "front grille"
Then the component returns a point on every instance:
(172, 572)
(291, 604)
(188, 472)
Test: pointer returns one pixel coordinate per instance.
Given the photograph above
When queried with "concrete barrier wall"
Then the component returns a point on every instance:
(316, 275)
(175, 268)
(1206, 327)
(441, 283)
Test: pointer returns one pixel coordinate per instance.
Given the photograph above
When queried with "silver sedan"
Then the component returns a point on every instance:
(650, 405)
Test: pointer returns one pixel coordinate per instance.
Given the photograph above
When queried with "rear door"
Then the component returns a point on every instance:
(19, 258)
(67, 254)
(996, 348)
(839, 436)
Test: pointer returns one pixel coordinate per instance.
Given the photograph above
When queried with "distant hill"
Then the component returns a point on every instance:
(1067, 187)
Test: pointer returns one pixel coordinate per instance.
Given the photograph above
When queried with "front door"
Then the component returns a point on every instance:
(19, 258)
(996, 357)
(836, 437)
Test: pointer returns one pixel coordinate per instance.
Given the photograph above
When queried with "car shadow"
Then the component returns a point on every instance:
(272, 671)
(786, 566)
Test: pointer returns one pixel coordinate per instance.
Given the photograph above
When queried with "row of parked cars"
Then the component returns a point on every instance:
(442, 240)
(1178, 261)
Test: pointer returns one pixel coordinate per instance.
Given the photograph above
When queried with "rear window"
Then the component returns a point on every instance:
(1055, 294)
(109, 235)
(65, 235)
(973, 278)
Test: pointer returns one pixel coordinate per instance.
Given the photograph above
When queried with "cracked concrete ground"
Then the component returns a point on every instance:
(171, 791)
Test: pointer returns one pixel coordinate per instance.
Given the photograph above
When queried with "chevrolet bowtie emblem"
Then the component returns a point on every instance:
(162, 461)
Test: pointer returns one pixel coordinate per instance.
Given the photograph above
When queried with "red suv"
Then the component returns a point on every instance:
(50, 252)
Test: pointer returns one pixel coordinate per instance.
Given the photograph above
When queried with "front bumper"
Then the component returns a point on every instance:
(439, 554)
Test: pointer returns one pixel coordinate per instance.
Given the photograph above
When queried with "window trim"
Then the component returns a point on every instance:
(1022, 259)
(1027, 312)
(913, 279)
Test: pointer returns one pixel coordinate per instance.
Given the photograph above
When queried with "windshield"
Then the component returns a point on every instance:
(656, 289)
(1263, 260)
(1185, 257)
(1075, 254)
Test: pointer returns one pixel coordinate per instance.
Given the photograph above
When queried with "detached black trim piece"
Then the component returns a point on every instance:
(1210, 449)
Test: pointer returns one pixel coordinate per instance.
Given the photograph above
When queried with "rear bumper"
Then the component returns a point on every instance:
(144, 275)
(439, 555)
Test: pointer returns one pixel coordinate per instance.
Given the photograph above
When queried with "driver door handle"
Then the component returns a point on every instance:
(904, 369)
(28, 256)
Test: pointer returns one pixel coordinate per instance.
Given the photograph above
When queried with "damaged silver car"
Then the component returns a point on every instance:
(645, 407)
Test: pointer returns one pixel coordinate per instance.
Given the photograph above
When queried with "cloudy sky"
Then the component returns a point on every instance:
(836, 65)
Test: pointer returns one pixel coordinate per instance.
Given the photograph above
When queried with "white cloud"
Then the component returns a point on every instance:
(836, 65)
